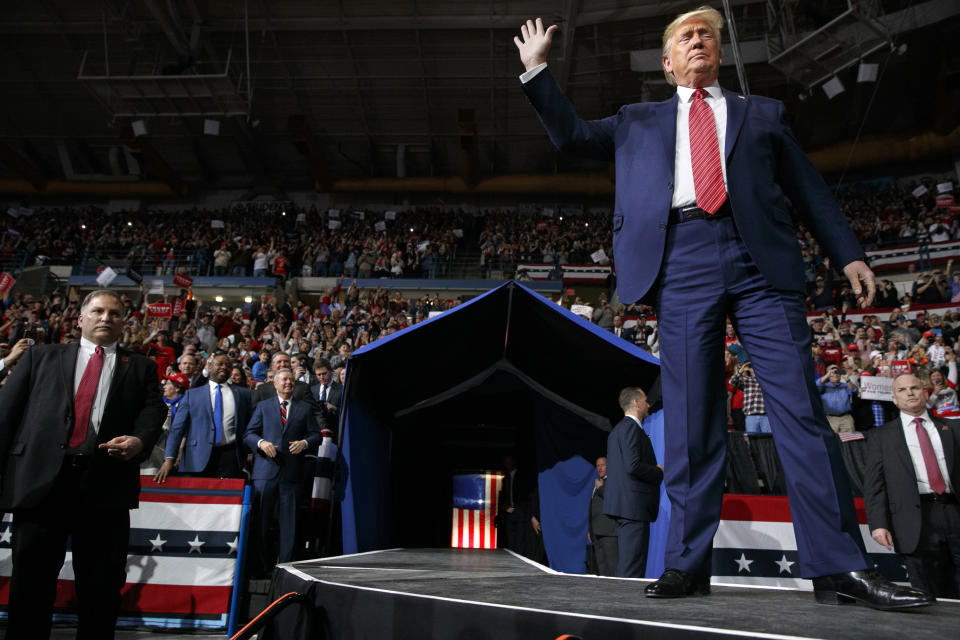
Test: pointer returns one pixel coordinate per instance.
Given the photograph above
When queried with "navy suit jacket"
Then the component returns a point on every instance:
(890, 481)
(764, 162)
(632, 489)
(266, 425)
(194, 421)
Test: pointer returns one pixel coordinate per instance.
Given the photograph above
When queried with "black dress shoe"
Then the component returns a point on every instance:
(869, 588)
(678, 584)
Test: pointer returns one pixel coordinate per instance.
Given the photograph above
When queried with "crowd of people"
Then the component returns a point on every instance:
(844, 353)
(240, 242)
(418, 243)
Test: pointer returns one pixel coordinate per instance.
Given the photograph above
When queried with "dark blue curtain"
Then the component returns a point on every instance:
(653, 425)
(366, 502)
(566, 481)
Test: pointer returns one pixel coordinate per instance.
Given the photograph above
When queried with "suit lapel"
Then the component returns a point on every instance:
(292, 413)
(946, 437)
(903, 453)
(201, 396)
(667, 119)
(736, 114)
(68, 365)
(239, 420)
(120, 367)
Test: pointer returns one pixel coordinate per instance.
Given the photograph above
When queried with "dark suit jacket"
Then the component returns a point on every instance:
(198, 380)
(36, 414)
(890, 481)
(600, 523)
(764, 163)
(266, 424)
(334, 394)
(633, 477)
(301, 392)
(194, 421)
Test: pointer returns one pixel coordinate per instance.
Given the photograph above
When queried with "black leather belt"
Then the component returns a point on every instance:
(944, 498)
(76, 461)
(693, 212)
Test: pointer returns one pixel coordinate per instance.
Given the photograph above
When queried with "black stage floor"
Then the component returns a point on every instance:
(478, 595)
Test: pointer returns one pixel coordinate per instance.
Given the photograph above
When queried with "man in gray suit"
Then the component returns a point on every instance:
(602, 532)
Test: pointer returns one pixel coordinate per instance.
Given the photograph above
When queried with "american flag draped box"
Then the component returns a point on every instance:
(755, 544)
(181, 558)
(474, 508)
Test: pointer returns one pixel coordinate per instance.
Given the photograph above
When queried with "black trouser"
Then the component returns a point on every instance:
(99, 547)
(935, 564)
(223, 463)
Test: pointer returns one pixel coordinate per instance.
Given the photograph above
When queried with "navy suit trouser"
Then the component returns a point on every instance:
(633, 539)
(277, 501)
(707, 275)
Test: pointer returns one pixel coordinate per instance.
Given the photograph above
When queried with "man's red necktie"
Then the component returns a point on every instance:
(934, 477)
(83, 401)
(283, 412)
(705, 155)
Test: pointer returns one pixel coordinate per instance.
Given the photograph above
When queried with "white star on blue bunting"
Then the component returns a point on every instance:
(195, 544)
(785, 565)
(157, 543)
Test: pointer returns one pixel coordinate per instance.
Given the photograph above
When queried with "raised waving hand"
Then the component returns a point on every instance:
(535, 44)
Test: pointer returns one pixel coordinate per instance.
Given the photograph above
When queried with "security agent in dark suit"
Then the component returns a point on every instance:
(911, 477)
(281, 431)
(76, 421)
(189, 365)
(517, 507)
(327, 393)
(602, 528)
(632, 495)
(620, 331)
(702, 230)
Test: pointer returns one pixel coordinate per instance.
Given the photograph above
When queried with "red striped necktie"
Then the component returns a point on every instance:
(705, 155)
(283, 412)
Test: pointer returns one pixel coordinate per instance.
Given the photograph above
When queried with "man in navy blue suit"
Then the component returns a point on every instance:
(211, 421)
(281, 430)
(632, 492)
(702, 230)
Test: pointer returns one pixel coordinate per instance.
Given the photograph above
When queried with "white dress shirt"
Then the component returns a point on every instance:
(229, 410)
(324, 388)
(84, 353)
(913, 446)
(683, 191)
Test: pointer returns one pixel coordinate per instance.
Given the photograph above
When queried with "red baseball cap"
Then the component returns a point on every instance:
(179, 379)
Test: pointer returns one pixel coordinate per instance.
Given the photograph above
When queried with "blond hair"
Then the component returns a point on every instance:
(711, 16)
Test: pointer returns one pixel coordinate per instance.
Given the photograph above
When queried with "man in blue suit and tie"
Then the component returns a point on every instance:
(702, 231)
(281, 430)
(210, 421)
(632, 494)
